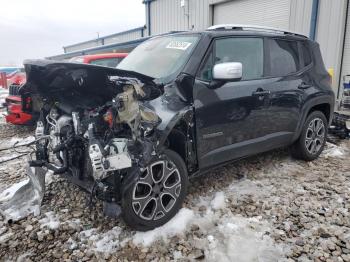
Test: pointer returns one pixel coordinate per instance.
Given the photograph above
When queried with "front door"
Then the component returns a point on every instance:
(231, 118)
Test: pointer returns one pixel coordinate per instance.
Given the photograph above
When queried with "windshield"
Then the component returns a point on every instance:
(160, 57)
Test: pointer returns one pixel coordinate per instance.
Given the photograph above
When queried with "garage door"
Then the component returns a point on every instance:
(266, 13)
(346, 55)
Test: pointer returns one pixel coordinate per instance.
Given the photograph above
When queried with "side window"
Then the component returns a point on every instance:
(248, 51)
(306, 54)
(284, 57)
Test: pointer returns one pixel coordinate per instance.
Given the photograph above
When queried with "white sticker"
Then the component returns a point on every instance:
(179, 45)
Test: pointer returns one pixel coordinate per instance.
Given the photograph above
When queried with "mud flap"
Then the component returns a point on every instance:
(27, 199)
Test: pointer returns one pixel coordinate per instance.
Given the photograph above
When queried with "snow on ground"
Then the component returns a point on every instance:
(229, 237)
(16, 141)
(267, 208)
(333, 150)
(50, 221)
(175, 226)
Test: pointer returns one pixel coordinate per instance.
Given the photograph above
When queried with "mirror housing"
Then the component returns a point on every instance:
(228, 71)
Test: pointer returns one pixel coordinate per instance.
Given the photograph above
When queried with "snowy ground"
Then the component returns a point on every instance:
(265, 208)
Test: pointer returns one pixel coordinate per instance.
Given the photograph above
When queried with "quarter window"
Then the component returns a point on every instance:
(248, 51)
(284, 57)
(306, 54)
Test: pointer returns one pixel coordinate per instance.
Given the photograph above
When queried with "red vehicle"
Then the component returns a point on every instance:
(13, 102)
(108, 59)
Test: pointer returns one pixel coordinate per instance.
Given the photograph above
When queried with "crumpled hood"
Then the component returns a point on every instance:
(46, 77)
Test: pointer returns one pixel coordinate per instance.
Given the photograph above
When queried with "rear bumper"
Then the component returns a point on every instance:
(15, 115)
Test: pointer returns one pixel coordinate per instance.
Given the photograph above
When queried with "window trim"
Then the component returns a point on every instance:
(211, 48)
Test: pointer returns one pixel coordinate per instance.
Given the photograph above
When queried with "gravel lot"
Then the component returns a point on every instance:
(265, 208)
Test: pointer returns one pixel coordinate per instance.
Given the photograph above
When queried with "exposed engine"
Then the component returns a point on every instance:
(98, 145)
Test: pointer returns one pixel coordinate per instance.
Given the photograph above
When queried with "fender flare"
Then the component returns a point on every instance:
(306, 109)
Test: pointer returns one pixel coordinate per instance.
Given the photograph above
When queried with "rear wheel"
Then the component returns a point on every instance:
(158, 194)
(312, 138)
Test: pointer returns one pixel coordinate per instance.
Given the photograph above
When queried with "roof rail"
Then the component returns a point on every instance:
(255, 28)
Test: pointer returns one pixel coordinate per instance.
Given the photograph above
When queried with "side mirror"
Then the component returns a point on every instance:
(227, 71)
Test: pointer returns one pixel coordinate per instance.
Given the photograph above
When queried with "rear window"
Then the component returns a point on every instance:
(284, 57)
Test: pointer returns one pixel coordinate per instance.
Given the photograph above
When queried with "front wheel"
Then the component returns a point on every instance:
(158, 193)
(312, 138)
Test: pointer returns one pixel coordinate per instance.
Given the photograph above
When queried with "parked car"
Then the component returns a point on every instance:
(13, 102)
(107, 59)
(178, 106)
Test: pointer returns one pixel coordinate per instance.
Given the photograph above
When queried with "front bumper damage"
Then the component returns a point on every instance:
(58, 149)
(27, 199)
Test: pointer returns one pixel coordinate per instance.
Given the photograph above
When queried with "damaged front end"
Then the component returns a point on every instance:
(96, 129)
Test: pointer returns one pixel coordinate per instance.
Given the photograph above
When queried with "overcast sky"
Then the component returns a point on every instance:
(39, 28)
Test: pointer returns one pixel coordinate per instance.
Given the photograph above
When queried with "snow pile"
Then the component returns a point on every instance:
(107, 242)
(219, 201)
(51, 221)
(9, 192)
(237, 238)
(176, 225)
(332, 150)
(226, 237)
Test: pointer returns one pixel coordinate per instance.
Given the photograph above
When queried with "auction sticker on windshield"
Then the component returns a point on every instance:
(179, 45)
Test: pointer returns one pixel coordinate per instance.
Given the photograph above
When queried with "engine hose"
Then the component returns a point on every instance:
(63, 168)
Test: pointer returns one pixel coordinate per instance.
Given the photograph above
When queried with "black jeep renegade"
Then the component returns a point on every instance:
(176, 107)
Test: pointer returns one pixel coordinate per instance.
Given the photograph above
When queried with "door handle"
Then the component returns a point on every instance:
(304, 85)
(261, 92)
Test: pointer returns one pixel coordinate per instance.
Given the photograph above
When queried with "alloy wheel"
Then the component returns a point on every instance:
(157, 190)
(315, 136)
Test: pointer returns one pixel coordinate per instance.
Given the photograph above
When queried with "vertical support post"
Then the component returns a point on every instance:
(314, 16)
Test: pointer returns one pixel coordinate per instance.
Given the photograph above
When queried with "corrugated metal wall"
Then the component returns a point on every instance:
(265, 13)
(81, 46)
(330, 34)
(111, 39)
(168, 15)
(122, 37)
(300, 16)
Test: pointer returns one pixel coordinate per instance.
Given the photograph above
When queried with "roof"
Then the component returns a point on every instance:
(255, 28)
(107, 36)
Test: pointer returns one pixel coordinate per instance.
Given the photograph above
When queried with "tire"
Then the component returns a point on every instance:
(158, 195)
(310, 144)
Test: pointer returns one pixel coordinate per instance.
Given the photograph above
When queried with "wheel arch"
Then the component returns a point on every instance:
(325, 104)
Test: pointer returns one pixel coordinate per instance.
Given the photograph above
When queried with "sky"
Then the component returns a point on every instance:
(31, 29)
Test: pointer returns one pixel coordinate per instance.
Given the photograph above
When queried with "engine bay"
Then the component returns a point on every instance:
(90, 139)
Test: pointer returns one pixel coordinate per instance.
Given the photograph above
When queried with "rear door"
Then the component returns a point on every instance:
(287, 83)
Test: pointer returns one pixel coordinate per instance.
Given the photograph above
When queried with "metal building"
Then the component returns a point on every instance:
(326, 21)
